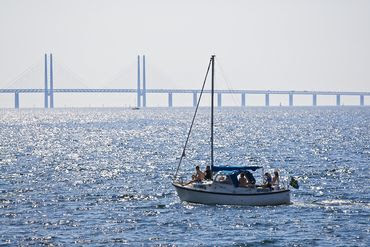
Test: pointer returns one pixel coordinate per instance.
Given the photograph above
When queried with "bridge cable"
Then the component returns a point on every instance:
(192, 122)
(22, 74)
(81, 80)
(121, 74)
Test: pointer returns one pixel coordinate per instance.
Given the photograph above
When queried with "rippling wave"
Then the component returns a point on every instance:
(103, 177)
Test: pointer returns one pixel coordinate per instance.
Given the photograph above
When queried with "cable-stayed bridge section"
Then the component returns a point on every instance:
(141, 91)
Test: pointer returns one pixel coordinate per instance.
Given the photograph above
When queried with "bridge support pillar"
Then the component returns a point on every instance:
(195, 99)
(219, 99)
(170, 100)
(290, 99)
(267, 99)
(338, 99)
(314, 100)
(51, 82)
(362, 100)
(138, 92)
(46, 92)
(16, 100)
(243, 99)
(144, 83)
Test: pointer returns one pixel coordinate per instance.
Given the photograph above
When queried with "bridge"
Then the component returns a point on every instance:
(141, 91)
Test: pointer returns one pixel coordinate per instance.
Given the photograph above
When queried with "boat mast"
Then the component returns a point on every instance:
(212, 105)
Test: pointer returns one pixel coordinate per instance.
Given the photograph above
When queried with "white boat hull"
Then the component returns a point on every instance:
(189, 194)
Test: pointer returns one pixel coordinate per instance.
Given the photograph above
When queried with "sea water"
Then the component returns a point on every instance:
(103, 176)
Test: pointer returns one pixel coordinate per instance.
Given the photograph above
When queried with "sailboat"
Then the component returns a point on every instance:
(224, 187)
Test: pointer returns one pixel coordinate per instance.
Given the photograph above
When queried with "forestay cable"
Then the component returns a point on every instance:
(192, 122)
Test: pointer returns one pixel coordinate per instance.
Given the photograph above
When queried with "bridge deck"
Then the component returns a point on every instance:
(123, 90)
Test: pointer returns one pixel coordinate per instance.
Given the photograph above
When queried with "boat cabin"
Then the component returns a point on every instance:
(231, 177)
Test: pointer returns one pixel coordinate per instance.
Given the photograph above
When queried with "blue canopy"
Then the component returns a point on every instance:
(234, 168)
(229, 173)
(233, 174)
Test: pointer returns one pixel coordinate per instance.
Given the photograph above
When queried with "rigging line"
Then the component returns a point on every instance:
(230, 88)
(192, 122)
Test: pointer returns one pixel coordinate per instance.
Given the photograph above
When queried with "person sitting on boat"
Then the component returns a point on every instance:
(208, 173)
(276, 180)
(242, 180)
(267, 181)
(251, 181)
(198, 176)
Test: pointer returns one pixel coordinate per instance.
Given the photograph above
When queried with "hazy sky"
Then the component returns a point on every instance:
(259, 44)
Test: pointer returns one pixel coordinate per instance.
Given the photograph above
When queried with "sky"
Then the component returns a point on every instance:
(259, 44)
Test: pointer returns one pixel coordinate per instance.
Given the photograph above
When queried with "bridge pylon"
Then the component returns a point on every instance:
(141, 93)
(48, 89)
(51, 93)
(46, 92)
(144, 83)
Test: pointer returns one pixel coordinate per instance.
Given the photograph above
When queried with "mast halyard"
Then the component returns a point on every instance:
(212, 105)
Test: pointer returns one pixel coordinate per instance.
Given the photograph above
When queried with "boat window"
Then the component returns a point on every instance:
(222, 179)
